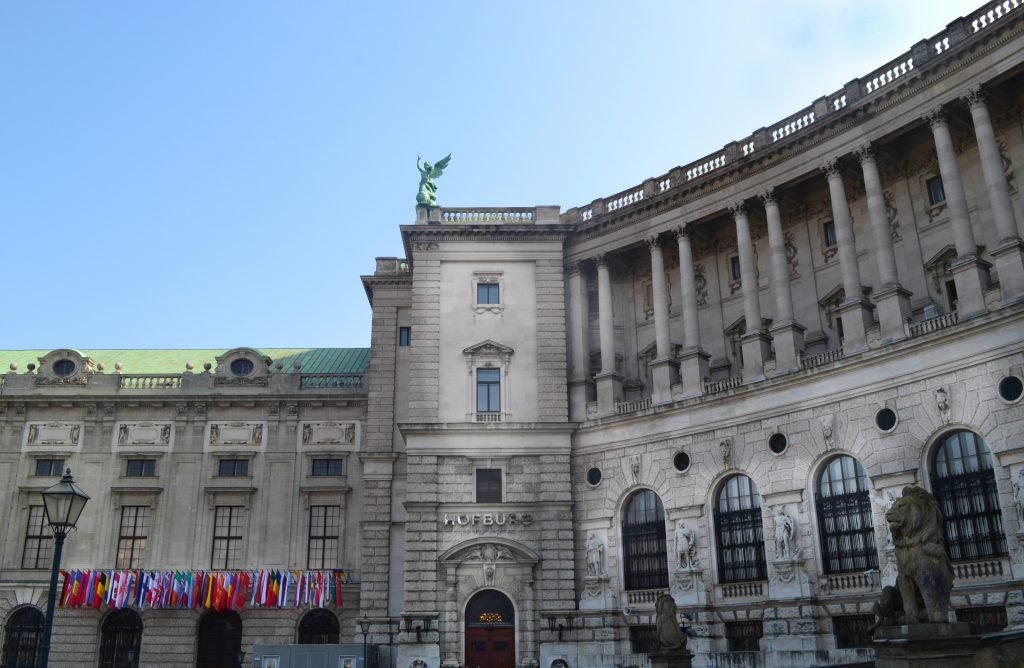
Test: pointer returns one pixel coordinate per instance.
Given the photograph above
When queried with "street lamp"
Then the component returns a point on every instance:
(64, 503)
(365, 625)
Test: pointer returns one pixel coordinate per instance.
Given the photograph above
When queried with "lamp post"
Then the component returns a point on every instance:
(63, 503)
(364, 624)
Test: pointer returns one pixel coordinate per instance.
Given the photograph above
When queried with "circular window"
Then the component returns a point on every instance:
(242, 367)
(777, 443)
(681, 462)
(885, 420)
(594, 476)
(1011, 388)
(63, 368)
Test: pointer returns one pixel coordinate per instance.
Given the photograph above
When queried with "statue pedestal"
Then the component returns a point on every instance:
(688, 587)
(943, 645)
(672, 659)
(597, 595)
(789, 579)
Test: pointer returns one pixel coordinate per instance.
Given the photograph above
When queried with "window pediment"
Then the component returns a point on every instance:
(488, 347)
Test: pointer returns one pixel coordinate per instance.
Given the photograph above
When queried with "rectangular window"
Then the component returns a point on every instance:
(404, 336)
(227, 537)
(141, 468)
(952, 301)
(131, 539)
(38, 540)
(233, 468)
(734, 267)
(828, 231)
(488, 390)
(328, 466)
(324, 524)
(936, 193)
(852, 630)
(839, 330)
(488, 485)
(744, 636)
(984, 619)
(49, 467)
(487, 293)
(643, 639)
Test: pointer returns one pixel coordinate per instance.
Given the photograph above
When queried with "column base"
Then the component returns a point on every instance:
(789, 345)
(693, 369)
(893, 304)
(857, 318)
(970, 275)
(663, 373)
(609, 391)
(579, 395)
(755, 352)
(1008, 257)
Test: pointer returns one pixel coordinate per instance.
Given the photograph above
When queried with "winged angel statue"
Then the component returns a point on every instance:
(428, 190)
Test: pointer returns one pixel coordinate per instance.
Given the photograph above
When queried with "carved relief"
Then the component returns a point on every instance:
(701, 284)
(328, 433)
(827, 431)
(595, 556)
(634, 467)
(942, 403)
(892, 215)
(725, 447)
(241, 381)
(786, 538)
(144, 433)
(686, 547)
(236, 433)
(789, 239)
(53, 433)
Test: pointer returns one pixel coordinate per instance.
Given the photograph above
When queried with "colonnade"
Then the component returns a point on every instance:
(890, 298)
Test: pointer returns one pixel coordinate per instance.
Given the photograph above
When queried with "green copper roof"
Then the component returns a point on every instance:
(313, 360)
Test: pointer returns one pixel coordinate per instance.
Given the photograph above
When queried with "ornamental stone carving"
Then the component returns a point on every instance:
(686, 547)
(144, 433)
(595, 556)
(786, 548)
(328, 433)
(236, 433)
(942, 403)
(828, 430)
(53, 434)
(1018, 497)
(725, 447)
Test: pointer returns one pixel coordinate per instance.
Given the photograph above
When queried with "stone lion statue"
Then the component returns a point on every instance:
(924, 574)
(670, 636)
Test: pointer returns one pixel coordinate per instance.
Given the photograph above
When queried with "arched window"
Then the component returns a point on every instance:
(120, 639)
(965, 487)
(22, 635)
(319, 627)
(843, 502)
(645, 560)
(220, 640)
(739, 531)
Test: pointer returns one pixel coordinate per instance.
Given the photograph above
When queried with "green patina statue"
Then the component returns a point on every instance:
(428, 190)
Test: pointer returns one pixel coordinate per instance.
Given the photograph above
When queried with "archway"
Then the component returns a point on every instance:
(490, 631)
(22, 635)
(220, 640)
(121, 639)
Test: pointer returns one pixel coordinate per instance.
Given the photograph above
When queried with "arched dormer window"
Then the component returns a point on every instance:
(739, 531)
(843, 501)
(645, 560)
(121, 639)
(965, 487)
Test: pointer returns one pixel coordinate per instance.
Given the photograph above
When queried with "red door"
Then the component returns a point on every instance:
(490, 647)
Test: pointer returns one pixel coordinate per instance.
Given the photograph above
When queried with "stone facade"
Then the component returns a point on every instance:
(844, 288)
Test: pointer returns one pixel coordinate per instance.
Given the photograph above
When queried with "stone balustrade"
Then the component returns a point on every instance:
(645, 598)
(723, 385)
(820, 359)
(851, 582)
(743, 590)
(490, 215)
(933, 324)
(976, 570)
(632, 406)
(956, 36)
(330, 381)
(150, 382)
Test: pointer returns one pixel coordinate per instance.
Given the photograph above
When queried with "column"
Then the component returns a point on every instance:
(891, 298)
(663, 365)
(579, 323)
(786, 332)
(855, 310)
(1009, 251)
(609, 383)
(969, 273)
(755, 340)
(693, 361)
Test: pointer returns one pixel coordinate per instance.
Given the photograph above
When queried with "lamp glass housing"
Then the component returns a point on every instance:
(64, 503)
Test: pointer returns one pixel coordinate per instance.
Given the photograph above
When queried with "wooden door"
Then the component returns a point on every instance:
(490, 647)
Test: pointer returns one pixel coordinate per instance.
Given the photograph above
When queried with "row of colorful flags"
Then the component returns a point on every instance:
(209, 590)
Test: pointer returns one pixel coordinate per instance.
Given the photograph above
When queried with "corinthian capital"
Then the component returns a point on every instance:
(975, 97)
(864, 153)
(738, 208)
(769, 196)
(653, 241)
(831, 168)
(937, 117)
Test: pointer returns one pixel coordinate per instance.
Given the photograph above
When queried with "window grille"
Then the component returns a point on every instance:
(131, 539)
(844, 517)
(744, 636)
(644, 639)
(984, 619)
(38, 540)
(319, 627)
(739, 531)
(22, 635)
(121, 639)
(965, 488)
(852, 630)
(643, 542)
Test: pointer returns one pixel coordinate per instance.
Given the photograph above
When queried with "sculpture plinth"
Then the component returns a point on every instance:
(672, 659)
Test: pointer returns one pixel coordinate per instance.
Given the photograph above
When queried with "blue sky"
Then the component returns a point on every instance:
(217, 174)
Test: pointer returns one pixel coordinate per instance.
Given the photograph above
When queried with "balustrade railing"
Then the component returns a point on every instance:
(973, 570)
(723, 385)
(957, 34)
(851, 581)
(812, 361)
(487, 215)
(743, 590)
(488, 417)
(933, 324)
(644, 597)
(148, 382)
(632, 406)
(331, 381)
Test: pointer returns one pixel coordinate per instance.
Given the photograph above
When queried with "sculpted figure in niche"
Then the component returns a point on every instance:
(122, 435)
(686, 546)
(942, 402)
(670, 636)
(595, 556)
(785, 534)
(726, 448)
(826, 431)
(924, 574)
(1018, 495)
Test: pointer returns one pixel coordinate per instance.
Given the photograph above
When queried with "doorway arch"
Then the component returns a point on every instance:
(490, 631)
(220, 640)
